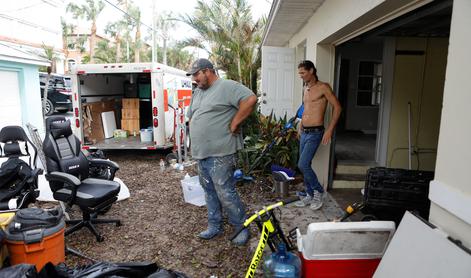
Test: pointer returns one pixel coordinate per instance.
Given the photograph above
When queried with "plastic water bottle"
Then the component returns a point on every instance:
(282, 264)
(162, 165)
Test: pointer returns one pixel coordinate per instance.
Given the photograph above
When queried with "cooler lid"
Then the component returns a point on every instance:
(347, 240)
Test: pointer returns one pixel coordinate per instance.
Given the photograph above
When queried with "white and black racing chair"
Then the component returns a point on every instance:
(18, 178)
(68, 173)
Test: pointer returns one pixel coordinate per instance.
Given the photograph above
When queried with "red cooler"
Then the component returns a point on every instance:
(344, 249)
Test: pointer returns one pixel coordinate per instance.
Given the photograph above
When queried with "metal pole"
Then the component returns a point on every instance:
(409, 147)
(153, 32)
(179, 134)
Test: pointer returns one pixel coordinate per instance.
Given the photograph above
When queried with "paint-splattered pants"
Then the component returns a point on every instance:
(307, 149)
(216, 175)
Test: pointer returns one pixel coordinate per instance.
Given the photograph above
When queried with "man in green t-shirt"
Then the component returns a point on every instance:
(218, 107)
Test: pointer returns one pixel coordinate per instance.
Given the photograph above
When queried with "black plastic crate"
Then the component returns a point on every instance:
(397, 188)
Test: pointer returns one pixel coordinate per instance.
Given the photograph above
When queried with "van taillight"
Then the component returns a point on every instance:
(77, 123)
(156, 123)
(76, 112)
(154, 111)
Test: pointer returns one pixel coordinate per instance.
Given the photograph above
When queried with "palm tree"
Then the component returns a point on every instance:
(104, 52)
(165, 22)
(67, 30)
(51, 55)
(178, 57)
(127, 6)
(230, 36)
(90, 12)
(115, 29)
(135, 13)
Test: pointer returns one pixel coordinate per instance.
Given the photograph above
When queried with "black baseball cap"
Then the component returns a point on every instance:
(198, 65)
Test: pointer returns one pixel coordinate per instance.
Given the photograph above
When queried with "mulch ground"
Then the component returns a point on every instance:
(158, 226)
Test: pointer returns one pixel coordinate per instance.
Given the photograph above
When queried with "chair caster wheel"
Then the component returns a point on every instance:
(118, 224)
(100, 238)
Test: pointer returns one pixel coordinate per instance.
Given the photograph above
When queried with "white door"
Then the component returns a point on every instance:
(10, 105)
(278, 72)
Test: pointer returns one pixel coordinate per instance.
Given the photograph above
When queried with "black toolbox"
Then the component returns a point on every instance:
(390, 192)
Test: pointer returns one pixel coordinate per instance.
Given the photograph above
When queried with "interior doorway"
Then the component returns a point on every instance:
(390, 84)
(359, 92)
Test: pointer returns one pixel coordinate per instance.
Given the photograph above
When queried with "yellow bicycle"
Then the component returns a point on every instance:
(270, 230)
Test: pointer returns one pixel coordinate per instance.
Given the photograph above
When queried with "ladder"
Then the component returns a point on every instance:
(36, 139)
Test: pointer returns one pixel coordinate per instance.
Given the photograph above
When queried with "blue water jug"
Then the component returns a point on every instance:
(282, 264)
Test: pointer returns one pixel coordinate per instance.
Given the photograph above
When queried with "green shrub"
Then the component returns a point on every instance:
(259, 132)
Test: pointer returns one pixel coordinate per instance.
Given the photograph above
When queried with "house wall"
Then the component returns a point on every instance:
(450, 192)
(419, 77)
(358, 117)
(30, 96)
(321, 32)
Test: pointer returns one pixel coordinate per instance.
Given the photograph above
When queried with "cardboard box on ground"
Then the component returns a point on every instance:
(92, 122)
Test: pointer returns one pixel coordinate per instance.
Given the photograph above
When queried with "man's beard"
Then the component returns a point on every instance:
(204, 84)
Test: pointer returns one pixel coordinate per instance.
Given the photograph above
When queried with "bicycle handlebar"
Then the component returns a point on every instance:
(263, 211)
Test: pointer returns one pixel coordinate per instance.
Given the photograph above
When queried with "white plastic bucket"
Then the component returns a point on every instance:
(146, 135)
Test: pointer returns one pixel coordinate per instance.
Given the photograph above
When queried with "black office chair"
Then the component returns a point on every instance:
(68, 173)
(18, 179)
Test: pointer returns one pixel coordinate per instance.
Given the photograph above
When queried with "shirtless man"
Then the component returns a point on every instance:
(316, 96)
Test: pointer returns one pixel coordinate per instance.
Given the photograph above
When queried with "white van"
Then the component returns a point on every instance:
(129, 105)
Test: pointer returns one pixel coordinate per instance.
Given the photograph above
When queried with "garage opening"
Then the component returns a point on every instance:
(390, 83)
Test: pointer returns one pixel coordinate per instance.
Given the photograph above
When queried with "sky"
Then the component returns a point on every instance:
(109, 14)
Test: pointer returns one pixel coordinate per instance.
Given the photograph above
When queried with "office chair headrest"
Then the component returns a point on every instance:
(58, 127)
(12, 133)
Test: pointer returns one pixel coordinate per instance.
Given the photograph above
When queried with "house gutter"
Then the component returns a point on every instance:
(273, 11)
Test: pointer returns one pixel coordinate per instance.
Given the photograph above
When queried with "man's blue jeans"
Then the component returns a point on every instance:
(307, 149)
(216, 175)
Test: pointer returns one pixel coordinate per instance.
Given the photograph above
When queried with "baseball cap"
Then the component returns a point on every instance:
(199, 65)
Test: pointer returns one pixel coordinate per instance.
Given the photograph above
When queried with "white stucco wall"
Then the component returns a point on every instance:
(332, 16)
(328, 19)
(451, 190)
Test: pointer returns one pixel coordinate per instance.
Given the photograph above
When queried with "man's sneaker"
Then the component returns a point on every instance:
(317, 200)
(304, 201)
(209, 233)
(301, 193)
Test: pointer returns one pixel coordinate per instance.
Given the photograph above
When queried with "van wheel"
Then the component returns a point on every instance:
(49, 108)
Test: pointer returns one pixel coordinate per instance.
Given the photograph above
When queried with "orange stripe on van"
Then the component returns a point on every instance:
(185, 93)
(165, 100)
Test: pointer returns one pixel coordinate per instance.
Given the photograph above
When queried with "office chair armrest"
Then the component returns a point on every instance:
(106, 164)
(70, 182)
(34, 175)
(63, 177)
(103, 162)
